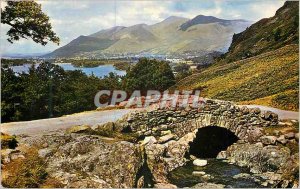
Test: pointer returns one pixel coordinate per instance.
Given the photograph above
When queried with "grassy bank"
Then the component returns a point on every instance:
(268, 79)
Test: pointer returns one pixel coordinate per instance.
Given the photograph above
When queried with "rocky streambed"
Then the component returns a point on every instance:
(217, 172)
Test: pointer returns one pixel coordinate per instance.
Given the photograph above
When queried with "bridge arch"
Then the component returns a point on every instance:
(209, 141)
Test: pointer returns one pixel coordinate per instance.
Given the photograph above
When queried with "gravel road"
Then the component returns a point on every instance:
(282, 114)
(61, 123)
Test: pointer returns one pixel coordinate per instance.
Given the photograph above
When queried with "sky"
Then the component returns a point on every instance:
(72, 18)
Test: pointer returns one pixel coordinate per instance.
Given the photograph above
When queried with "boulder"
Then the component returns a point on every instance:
(149, 140)
(289, 135)
(221, 155)
(266, 140)
(198, 173)
(156, 162)
(276, 132)
(255, 110)
(245, 110)
(281, 139)
(80, 129)
(193, 157)
(268, 115)
(297, 136)
(200, 162)
(108, 129)
(166, 138)
(254, 134)
(242, 175)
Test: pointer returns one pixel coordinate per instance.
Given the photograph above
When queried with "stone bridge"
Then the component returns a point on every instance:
(241, 121)
(167, 136)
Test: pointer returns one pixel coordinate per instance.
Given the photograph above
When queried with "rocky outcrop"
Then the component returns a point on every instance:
(91, 161)
(257, 157)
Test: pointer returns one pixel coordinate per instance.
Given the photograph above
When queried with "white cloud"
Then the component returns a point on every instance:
(266, 9)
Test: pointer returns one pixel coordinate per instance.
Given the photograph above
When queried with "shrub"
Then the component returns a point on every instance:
(8, 141)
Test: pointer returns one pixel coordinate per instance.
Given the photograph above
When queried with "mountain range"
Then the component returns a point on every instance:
(172, 35)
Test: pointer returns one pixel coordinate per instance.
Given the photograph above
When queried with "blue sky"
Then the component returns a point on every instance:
(71, 18)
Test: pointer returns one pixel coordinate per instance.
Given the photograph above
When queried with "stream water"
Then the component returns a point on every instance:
(221, 173)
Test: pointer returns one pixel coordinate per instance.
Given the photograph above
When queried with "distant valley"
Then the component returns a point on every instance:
(174, 35)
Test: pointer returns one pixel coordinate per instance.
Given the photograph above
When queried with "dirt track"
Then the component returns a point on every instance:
(282, 114)
(61, 123)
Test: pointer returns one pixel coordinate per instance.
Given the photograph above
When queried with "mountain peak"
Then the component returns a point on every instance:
(173, 18)
(201, 19)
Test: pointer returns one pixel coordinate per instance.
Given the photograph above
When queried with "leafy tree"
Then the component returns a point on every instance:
(183, 70)
(10, 99)
(149, 75)
(49, 91)
(27, 21)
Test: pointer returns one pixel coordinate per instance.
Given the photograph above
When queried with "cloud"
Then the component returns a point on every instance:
(71, 18)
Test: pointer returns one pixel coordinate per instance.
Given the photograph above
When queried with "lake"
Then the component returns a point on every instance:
(99, 71)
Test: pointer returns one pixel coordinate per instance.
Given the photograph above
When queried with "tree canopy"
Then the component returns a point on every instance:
(27, 20)
(149, 75)
(49, 91)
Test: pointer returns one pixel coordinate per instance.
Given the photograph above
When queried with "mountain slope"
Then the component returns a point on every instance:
(82, 44)
(257, 69)
(108, 33)
(271, 78)
(163, 37)
(267, 34)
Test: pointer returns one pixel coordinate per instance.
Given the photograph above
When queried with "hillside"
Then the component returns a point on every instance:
(267, 34)
(202, 33)
(261, 66)
(82, 44)
(268, 79)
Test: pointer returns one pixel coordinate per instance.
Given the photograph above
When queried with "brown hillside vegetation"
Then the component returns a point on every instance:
(268, 79)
